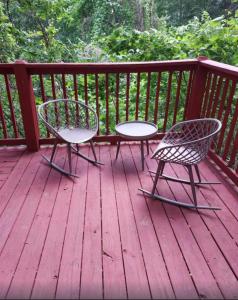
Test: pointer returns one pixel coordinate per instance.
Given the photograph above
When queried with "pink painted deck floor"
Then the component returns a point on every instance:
(99, 237)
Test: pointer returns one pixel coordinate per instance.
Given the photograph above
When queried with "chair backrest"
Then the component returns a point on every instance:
(191, 140)
(194, 130)
(65, 113)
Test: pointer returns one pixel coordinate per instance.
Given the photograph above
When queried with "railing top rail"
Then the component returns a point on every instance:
(111, 67)
(226, 69)
(7, 68)
(125, 67)
(106, 67)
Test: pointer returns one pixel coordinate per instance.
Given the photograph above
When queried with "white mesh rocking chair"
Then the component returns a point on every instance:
(71, 122)
(186, 143)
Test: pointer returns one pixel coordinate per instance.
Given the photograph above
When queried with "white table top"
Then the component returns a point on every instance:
(138, 130)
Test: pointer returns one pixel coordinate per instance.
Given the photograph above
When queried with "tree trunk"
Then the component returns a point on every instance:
(139, 18)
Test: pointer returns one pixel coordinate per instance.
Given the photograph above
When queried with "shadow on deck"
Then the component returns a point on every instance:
(99, 237)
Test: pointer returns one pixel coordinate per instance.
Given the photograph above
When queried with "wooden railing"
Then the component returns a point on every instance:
(220, 100)
(162, 92)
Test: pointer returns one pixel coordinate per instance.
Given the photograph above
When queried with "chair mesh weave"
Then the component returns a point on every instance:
(188, 142)
(67, 114)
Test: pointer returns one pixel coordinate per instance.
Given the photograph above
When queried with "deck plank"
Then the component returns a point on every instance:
(12, 249)
(68, 286)
(158, 278)
(135, 272)
(224, 196)
(48, 269)
(9, 216)
(218, 258)
(92, 273)
(24, 277)
(181, 280)
(113, 269)
(12, 208)
(13, 180)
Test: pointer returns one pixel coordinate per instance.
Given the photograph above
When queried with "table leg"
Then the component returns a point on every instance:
(118, 147)
(142, 154)
(147, 145)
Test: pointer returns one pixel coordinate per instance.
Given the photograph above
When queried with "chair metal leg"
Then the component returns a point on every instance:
(142, 154)
(162, 168)
(93, 149)
(155, 196)
(118, 148)
(190, 172)
(85, 157)
(58, 168)
(53, 150)
(164, 176)
(69, 158)
(158, 172)
(198, 173)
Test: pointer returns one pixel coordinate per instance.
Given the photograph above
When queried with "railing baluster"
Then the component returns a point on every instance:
(127, 94)
(43, 97)
(107, 104)
(228, 141)
(117, 97)
(9, 96)
(177, 97)
(216, 98)
(53, 86)
(97, 102)
(4, 127)
(234, 152)
(157, 98)
(54, 97)
(86, 89)
(167, 101)
(64, 86)
(227, 112)
(147, 96)
(188, 94)
(75, 87)
(206, 94)
(86, 96)
(211, 95)
(137, 96)
(223, 99)
(76, 97)
(65, 97)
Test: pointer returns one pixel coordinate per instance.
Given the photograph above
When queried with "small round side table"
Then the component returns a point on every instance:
(138, 131)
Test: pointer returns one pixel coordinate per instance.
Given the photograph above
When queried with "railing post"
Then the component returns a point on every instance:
(27, 104)
(194, 105)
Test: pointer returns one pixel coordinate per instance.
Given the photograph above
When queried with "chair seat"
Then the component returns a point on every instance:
(181, 155)
(76, 135)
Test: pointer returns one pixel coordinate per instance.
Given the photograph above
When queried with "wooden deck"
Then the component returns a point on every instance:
(99, 237)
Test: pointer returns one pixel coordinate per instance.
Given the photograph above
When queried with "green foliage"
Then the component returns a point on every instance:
(7, 38)
(116, 30)
(214, 38)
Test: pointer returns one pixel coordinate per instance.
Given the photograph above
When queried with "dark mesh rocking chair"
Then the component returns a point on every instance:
(71, 122)
(186, 143)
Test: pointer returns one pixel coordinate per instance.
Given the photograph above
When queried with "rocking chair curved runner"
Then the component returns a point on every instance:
(186, 143)
(71, 122)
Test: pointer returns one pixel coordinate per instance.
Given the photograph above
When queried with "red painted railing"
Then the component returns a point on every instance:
(162, 92)
(220, 100)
